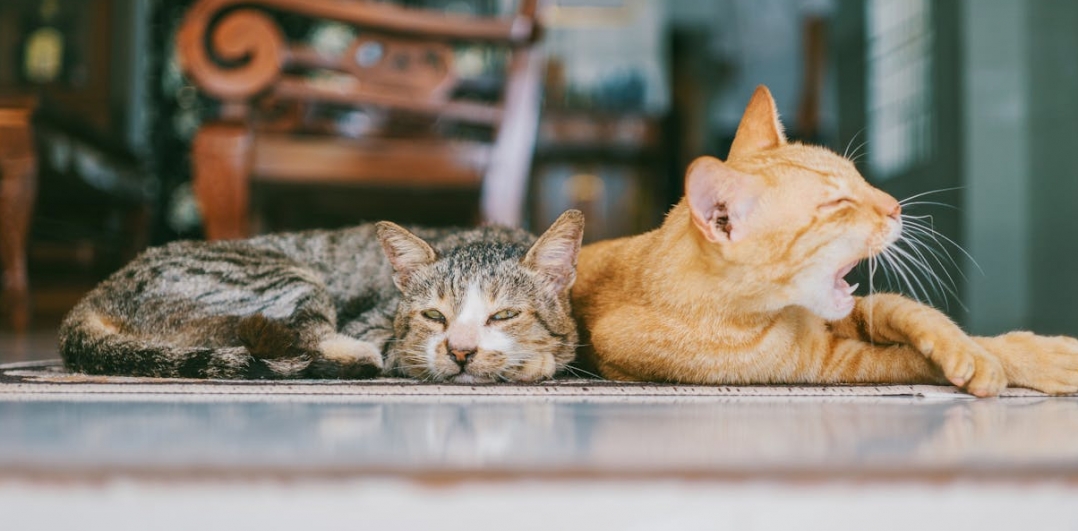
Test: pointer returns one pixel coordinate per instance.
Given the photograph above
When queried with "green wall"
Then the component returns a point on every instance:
(1020, 140)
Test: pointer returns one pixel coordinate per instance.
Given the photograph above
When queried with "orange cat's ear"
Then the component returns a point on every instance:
(554, 255)
(406, 251)
(720, 198)
(760, 127)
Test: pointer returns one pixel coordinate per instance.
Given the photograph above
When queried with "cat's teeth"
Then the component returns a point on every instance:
(852, 288)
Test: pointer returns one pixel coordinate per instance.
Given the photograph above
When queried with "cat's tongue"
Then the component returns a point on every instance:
(843, 289)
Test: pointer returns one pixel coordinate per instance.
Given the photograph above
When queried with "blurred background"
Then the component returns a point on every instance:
(124, 124)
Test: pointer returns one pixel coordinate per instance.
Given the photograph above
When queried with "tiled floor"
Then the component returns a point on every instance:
(432, 436)
(453, 462)
(528, 505)
(824, 437)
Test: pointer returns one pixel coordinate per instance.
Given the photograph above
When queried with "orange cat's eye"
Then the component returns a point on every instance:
(433, 315)
(831, 205)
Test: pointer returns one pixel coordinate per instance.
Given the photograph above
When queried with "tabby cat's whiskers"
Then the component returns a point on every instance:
(578, 372)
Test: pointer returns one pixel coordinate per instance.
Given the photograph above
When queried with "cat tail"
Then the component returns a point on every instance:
(92, 344)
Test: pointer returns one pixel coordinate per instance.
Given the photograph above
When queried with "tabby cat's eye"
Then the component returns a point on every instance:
(433, 315)
(504, 315)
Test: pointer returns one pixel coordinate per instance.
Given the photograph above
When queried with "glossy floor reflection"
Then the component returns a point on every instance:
(709, 436)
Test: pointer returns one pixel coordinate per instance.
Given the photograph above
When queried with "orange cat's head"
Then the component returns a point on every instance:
(789, 220)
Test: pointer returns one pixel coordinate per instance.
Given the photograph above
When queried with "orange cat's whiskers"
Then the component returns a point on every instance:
(916, 266)
(906, 201)
(926, 217)
(920, 231)
(906, 274)
(929, 203)
(873, 267)
(853, 139)
(856, 154)
(857, 157)
(909, 258)
(909, 269)
(914, 237)
(917, 231)
(915, 257)
(936, 235)
(871, 290)
(916, 245)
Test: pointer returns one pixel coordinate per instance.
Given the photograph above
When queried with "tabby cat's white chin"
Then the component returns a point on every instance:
(465, 378)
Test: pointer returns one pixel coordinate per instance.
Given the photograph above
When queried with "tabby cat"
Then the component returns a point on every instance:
(743, 283)
(482, 305)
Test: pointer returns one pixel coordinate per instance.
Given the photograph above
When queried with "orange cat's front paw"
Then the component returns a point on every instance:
(968, 365)
(1047, 364)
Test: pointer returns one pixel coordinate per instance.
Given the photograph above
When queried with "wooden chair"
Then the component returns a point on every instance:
(400, 64)
(18, 187)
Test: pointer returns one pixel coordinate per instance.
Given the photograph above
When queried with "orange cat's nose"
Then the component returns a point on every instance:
(889, 206)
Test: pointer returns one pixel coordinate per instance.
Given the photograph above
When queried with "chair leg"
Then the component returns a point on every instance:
(18, 187)
(221, 159)
(505, 185)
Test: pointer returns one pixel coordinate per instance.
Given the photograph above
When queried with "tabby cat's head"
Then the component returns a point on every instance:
(486, 307)
(791, 220)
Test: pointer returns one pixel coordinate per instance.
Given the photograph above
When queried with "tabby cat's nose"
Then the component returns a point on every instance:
(462, 357)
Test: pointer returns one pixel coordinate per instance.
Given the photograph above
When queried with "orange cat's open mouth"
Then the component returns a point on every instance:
(843, 290)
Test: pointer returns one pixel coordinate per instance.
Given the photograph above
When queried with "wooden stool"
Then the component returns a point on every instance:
(18, 187)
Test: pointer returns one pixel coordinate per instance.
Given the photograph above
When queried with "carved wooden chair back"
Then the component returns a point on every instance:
(399, 64)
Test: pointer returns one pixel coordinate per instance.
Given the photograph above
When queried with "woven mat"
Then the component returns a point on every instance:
(45, 379)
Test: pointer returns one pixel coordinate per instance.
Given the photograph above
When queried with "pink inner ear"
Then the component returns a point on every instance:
(717, 197)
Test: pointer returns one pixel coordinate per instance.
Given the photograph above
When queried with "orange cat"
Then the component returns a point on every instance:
(743, 284)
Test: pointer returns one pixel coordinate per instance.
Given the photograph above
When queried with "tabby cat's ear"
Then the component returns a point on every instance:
(554, 255)
(405, 251)
(760, 127)
(720, 199)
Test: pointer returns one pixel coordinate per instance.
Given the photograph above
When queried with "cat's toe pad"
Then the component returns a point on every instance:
(969, 366)
(988, 378)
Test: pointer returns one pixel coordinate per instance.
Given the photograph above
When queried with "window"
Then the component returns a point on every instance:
(899, 92)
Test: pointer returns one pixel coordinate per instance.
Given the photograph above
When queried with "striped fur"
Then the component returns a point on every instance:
(321, 304)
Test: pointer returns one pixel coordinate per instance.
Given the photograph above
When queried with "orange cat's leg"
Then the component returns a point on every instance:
(1048, 364)
(892, 319)
(854, 361)
(633, 343)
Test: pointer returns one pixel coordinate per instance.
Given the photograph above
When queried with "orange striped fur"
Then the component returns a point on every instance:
(742, 285)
